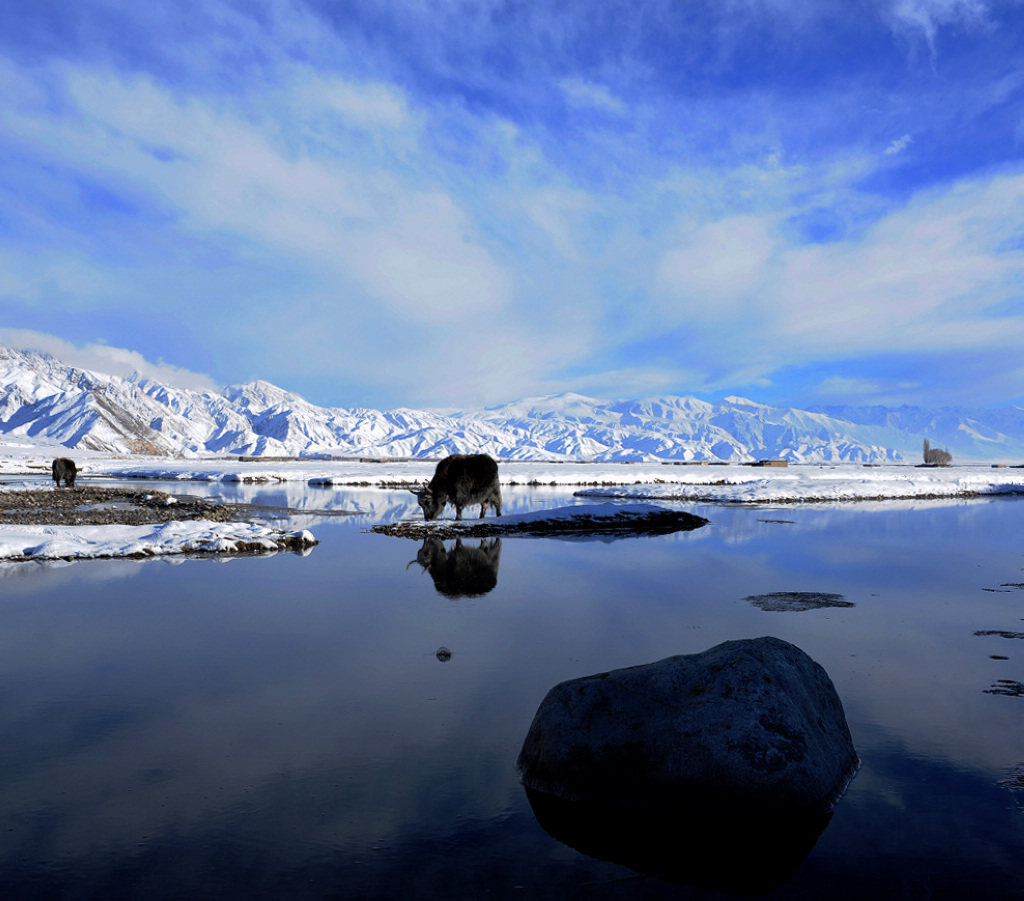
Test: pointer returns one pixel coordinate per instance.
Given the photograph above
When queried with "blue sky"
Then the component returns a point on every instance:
(453, 204)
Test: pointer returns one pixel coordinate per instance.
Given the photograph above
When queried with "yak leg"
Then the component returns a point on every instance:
(483, 508)
(458, 512)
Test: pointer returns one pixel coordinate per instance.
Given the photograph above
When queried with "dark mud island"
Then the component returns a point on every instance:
(96, 506)
(108, 506)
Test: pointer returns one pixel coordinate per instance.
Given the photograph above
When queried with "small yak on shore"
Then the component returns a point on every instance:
(64, 470)
(461, 480)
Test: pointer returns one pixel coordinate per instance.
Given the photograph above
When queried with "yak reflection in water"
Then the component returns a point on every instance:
(462, 571)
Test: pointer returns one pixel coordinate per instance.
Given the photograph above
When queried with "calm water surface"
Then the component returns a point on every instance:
(283, 727)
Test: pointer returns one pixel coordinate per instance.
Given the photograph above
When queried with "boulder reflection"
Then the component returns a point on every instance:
(740, 853)
(462, 571)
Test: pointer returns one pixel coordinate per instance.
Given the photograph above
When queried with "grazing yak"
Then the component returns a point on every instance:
(64, 470)
(461, 480)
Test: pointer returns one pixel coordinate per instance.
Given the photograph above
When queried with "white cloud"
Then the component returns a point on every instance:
(368, 105)
(424, 262)
(105, 359)
(844, 389)
(721, 261)
(925, 17)
(409, 245)
(588, 95)
(898, 146)
(930, 277)
(939, 274)
(559, 212)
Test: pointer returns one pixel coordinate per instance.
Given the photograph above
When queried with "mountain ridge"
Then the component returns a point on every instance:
(45, 401)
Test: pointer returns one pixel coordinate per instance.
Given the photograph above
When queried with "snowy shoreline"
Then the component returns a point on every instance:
(25, 543)
(658, 482)
(729, 483)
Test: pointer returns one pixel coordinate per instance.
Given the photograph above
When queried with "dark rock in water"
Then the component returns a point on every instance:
(796, 601)
(1009, 688)
(754, 722)
(443, 654)
(717, 769)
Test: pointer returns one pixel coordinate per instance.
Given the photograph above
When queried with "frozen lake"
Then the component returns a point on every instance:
(285, 726)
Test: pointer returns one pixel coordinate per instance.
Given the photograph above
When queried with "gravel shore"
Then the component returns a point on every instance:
(90, 506)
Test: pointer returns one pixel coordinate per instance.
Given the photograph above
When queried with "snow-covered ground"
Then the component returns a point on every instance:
(822, 484)
(26, 465)
(732, 484)
(729, 484)
(21, 542)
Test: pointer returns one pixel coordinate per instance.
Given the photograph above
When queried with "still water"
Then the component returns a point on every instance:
(285, 727)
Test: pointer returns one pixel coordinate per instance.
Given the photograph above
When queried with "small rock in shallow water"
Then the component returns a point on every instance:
(1006, 687)
(796, 601)
(443, 654)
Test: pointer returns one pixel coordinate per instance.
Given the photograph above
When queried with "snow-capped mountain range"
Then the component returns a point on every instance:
(44, 401)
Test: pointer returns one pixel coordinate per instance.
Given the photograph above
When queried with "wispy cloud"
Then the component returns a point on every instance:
(105, 359)
(899, 145)
(924, 18)
(582, 93)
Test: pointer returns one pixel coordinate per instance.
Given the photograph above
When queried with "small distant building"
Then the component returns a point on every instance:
(778, 464)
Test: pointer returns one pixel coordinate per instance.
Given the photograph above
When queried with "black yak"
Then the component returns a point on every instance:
(461, 480)
(64, 470)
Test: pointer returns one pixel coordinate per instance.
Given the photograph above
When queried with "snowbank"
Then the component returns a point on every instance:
(730, 483)
(735, 484)
(818, 484)
(23, 542)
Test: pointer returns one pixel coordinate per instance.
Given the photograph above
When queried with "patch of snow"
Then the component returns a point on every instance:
(827, 484)
(24, 542)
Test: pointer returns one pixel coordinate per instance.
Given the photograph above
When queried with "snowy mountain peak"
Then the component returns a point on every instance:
(45, 401)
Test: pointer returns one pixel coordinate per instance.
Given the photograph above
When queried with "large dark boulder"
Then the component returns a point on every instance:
(755, 723)
(717, 770)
